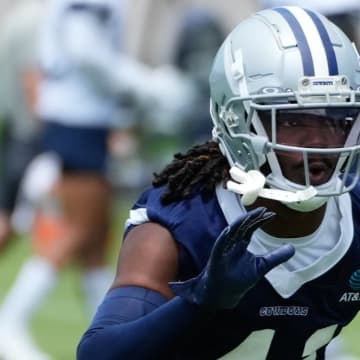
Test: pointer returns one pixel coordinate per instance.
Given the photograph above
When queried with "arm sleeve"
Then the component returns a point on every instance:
(136, 323)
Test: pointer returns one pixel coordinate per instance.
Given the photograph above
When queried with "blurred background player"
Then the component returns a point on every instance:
(200, 35)
(86, 93)
(19, 127)
(18, 88)
(165, 130)
(77, 107)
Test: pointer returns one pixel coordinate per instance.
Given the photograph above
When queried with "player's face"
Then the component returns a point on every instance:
(317, 129)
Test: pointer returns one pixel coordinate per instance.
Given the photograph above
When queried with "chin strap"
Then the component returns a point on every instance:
(251, 186)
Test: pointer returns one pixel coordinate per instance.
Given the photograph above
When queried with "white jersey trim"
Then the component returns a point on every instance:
(137, 217)
(283, 279)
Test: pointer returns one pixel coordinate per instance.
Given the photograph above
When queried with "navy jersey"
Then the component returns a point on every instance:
(265, 325)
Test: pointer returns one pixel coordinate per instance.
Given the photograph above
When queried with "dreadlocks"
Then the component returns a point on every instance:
(203, 167)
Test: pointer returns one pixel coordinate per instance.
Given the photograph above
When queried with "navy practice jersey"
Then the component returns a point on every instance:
(265, 325)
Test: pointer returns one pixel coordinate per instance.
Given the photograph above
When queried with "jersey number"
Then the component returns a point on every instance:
(257, 344)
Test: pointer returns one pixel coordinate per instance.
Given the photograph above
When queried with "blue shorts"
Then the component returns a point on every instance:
(79, 148)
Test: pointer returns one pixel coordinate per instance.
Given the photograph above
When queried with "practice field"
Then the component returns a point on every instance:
(352, 336)
(62, 319)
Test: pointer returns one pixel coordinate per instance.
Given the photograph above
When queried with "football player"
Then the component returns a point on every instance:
(248, 246)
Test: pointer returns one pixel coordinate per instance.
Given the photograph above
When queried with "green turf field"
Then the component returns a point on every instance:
(351, 336)
(58, 325)
(62, 318)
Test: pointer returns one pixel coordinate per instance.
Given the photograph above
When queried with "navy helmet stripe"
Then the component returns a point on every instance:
(330, 52)
(308, 65)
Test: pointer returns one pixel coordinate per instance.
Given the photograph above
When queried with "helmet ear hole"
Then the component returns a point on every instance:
(265, 169)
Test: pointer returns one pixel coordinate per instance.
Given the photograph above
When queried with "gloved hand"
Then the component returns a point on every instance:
(231, 270)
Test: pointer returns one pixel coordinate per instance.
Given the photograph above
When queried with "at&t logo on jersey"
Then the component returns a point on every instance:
(354, 283)
(350, 297)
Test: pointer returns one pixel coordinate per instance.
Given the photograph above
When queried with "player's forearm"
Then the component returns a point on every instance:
(115, 334)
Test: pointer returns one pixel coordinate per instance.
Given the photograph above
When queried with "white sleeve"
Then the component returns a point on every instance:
(87, 44)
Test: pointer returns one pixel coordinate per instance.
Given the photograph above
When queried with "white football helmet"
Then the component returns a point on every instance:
(289, 68)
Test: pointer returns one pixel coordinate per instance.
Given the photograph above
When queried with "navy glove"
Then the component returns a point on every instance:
(231, 270)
